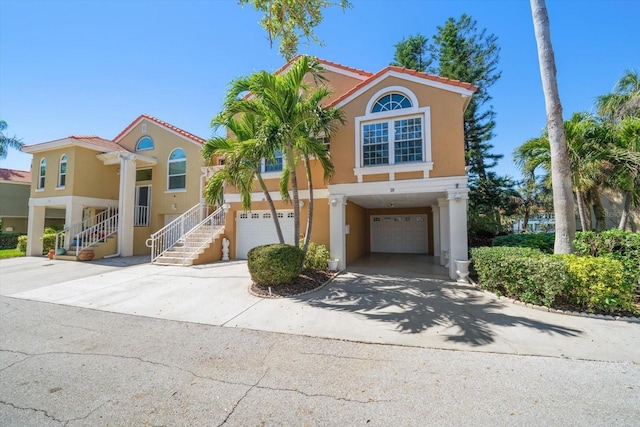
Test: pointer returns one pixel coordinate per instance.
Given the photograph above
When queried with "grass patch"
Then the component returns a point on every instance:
(10, 253)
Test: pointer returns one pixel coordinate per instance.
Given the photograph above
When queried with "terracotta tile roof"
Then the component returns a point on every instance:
(161, 123)
(14, 175)
(363, 73)
(427, 76)
(100, 142)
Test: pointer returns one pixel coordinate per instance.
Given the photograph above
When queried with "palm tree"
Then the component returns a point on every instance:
(625, 99)
(560, 164)
(625, 176)
(291, 118)
(7, 142)
(242, 154)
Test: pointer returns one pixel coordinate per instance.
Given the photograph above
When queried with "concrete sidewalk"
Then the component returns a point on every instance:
(373, 306)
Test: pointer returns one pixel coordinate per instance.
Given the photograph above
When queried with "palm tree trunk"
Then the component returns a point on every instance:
(582, 211)
(598, 210)
(560, 165)
(272, 207)
(307, 236)
(525, 220)
(294, 189)
(626, 207)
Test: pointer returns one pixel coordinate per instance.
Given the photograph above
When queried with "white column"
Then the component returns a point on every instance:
(126, 205)
(35, 227)
(443, 206)
(337, 230)
(436, 230)
(458, 241)
(72, 215)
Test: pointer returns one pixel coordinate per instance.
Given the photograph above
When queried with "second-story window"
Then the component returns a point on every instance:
(62, 172)
(41, 173)
(177, 170)
(274, 165)
(144, 143)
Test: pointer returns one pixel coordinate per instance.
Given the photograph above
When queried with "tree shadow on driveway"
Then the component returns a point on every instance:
(414, 305)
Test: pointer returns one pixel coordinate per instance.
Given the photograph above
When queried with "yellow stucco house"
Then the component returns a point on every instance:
(116, 193)
(400, 183)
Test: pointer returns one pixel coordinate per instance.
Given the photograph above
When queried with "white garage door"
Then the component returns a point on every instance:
(257, 228)
(406, 234)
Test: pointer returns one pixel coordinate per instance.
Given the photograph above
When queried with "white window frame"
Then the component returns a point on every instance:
(153, 144)
(169, 176)
(63, 160)
(42, 172)
(271, 174)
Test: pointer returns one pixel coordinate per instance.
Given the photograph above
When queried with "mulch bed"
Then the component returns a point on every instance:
(307, 281)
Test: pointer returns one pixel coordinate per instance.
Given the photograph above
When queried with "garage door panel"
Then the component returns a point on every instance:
(399, 233)
(257, 228)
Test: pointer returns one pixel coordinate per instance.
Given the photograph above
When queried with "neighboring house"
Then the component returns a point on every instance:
(15, 187)
(128, 187)
(400, 183)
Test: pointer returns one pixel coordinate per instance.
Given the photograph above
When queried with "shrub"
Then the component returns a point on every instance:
(541, 241)
(9, 240)
(48, 242)
(615, 244)
(22, 244)
(523, 273)
(598, 284)
(316, 258)
(274, 264)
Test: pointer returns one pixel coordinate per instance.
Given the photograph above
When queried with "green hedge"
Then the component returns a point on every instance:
(9, 240)
(542, 241)
(597, 284)
(593, 284)
(622, 246)
(48, 243)
(274, 264)
(523, 273)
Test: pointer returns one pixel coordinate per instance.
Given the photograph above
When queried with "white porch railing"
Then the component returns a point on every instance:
(90, 231)
(201, 234)
(170, 234)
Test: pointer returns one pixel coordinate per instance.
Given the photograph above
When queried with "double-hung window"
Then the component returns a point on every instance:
(177, 170)
(62, 172)
(41, 173)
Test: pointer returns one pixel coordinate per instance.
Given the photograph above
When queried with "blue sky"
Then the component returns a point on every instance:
(91, 67)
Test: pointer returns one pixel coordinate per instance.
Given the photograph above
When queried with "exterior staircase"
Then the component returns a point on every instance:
(186, 238)
(98, 233)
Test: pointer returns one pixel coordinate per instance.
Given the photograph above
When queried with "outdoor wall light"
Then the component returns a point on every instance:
(174, 206)
(333, 202)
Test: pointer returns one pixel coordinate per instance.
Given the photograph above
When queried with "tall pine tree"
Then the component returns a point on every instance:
(459, 50)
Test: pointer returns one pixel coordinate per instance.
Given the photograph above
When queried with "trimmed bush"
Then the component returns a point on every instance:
(316, 258)
(598, 284)
(9, 240)
(541, 241)
(21, 245)
(622, 246)
(274, 264)
(48, 242)
(523, 273)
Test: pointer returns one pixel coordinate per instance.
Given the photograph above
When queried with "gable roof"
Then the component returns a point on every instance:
(14, 175)
(91, 142)
(430, 79)
(332, 66)
(166, 125)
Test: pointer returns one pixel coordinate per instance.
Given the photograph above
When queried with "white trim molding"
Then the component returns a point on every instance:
(321, 193)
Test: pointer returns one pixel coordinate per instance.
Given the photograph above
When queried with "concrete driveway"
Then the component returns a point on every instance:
(408, 301)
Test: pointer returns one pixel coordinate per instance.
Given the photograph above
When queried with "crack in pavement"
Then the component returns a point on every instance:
(242, 398)
(344, 399)
(42, 411)
(346, 357)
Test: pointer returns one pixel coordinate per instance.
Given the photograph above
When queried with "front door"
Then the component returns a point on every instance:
(143, 206)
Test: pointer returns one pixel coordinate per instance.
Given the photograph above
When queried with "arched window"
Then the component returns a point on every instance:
(41, 173)
(62, 172)
(144, 143)
(391, 101)
(177, 170)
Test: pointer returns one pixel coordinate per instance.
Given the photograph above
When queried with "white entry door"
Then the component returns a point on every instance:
(257, 228)
(405, 234)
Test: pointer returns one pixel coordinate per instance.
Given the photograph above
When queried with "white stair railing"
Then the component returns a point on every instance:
(71, 233)
(97, 233)
(170, 234)
(193, 241)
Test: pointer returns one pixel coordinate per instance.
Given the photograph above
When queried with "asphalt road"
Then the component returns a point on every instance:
(70, 366)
